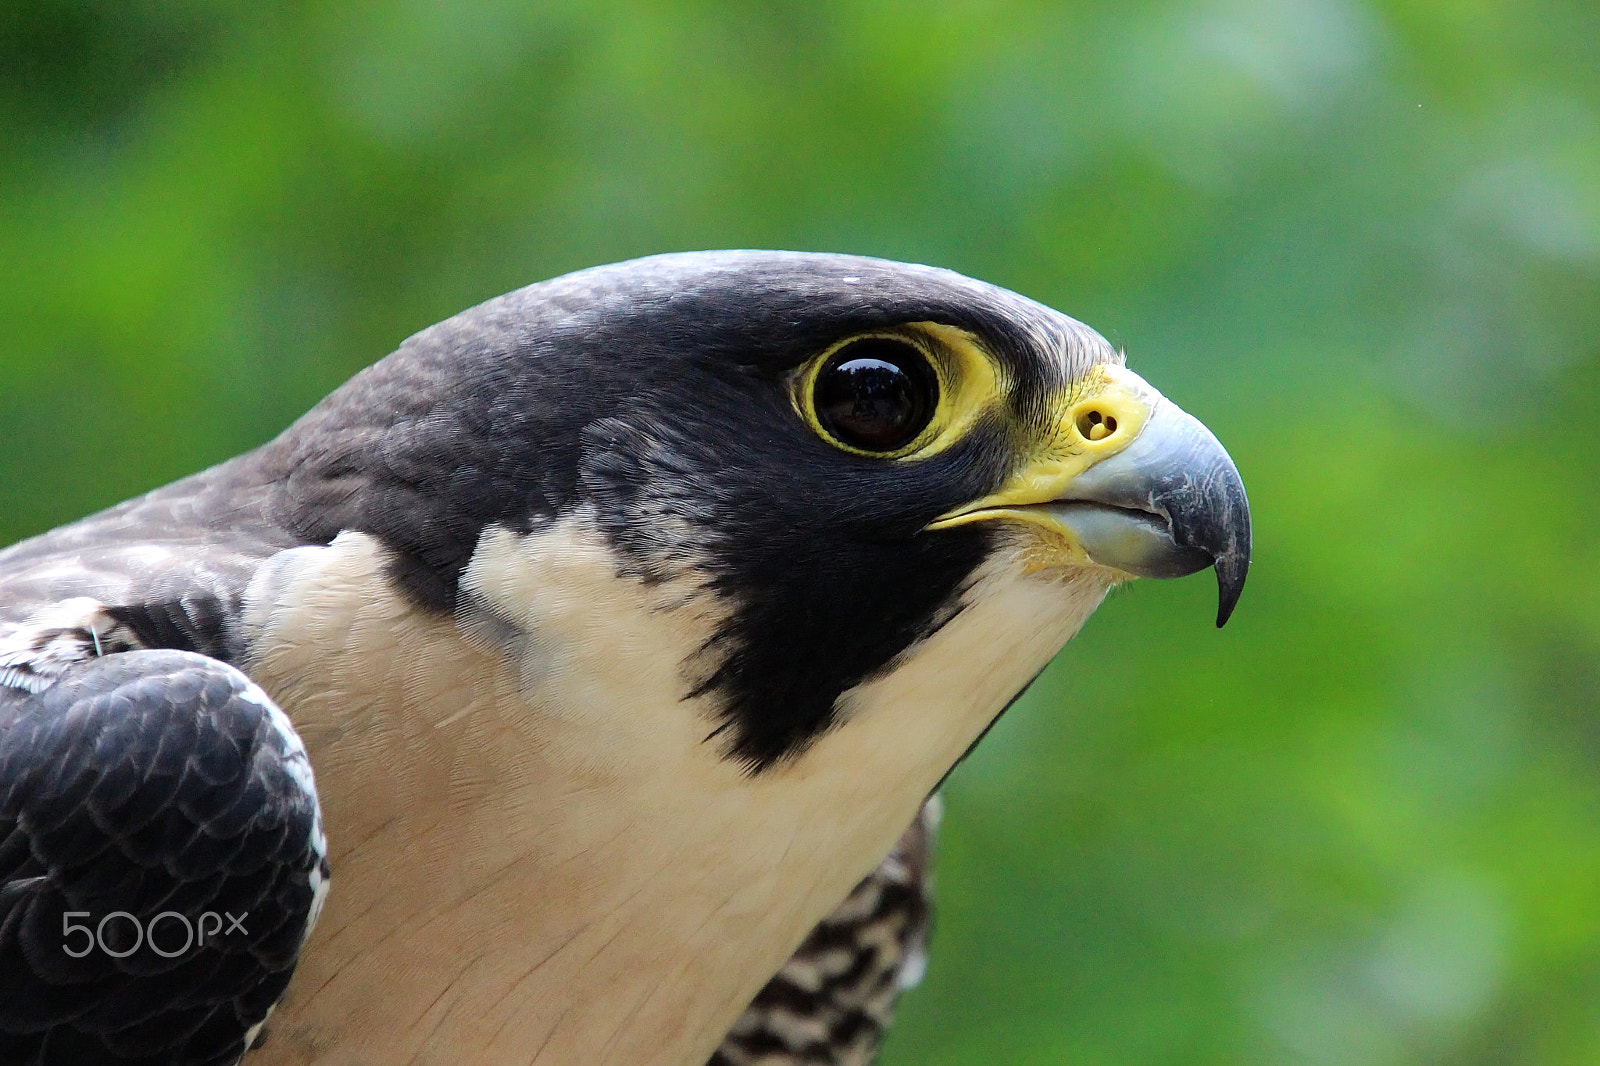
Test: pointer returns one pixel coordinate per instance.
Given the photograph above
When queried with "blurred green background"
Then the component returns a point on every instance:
(1361, 240)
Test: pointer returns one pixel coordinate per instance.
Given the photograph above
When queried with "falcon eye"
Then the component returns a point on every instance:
(875, 394)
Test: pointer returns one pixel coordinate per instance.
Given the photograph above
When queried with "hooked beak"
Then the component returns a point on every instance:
(1134, 483)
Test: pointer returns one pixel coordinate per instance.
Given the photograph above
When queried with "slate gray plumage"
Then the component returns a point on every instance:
(141, 793)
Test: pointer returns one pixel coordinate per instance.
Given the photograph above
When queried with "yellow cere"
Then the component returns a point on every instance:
(1100, 415)
(971, 383)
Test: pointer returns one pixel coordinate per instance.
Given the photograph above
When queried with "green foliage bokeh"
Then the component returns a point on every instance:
(1361, 240)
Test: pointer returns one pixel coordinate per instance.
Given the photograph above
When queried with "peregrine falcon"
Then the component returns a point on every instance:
(599, 646)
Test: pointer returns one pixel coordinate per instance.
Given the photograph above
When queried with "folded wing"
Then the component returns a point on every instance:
(161, 862)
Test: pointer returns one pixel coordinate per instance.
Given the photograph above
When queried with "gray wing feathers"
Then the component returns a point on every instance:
(160, 786)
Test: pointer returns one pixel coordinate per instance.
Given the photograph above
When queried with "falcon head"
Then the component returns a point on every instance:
(837, 456)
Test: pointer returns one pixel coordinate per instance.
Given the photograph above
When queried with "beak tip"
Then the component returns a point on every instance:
(1231, 572)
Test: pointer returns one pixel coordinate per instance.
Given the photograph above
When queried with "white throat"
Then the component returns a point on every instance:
(538, 855)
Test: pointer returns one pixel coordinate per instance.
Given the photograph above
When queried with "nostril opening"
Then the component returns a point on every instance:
(1095, 425)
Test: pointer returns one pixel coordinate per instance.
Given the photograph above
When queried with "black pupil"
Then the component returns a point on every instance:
(876, 395)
